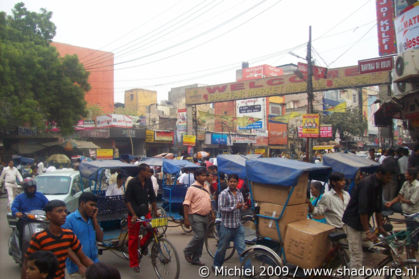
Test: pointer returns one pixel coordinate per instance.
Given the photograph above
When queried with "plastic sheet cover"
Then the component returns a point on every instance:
(90, 169)
(232, 164)
(174, 166)
(283, 172)
(349, 164)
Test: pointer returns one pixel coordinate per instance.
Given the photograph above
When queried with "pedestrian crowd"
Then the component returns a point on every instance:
(69, 241)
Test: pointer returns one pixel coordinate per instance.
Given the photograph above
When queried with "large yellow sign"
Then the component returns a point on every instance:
(311, 125)
(337, 78)
(149, 136)
(104, 154)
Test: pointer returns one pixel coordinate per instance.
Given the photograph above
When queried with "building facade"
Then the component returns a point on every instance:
(138, 101)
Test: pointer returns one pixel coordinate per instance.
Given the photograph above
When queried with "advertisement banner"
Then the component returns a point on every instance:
(114, 120)
(385, 27)
(318, 72)
(251, 108)
(243, 139)
(407, 30)
(310, 125)
(85, 125)
(189, 140)
(337, 78)
(261, 71)
(104, 154)
(163, 136)
(219, 139)
(149, 136)
(375, 65)
(278, 133)
(325, 132)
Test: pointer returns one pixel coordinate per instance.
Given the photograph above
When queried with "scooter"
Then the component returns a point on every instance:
(34, 221)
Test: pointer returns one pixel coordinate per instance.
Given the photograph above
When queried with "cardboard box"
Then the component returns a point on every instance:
(306, 243)
(267, 227)
(278, 194)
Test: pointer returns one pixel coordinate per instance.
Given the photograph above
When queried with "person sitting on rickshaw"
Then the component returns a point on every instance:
(117, 189)
(333, 203)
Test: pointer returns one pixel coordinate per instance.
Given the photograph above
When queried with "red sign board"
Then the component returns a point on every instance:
(261, 71)
(163, 136)
(385, 27)
(318, 72)
(325, 132)
(375, 65)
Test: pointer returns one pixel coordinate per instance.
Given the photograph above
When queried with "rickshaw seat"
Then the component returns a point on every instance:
(111, 208)
(336, 236)
(174, 194)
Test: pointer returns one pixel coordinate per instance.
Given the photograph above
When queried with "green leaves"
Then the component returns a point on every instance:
(36, 85)
(349, 121)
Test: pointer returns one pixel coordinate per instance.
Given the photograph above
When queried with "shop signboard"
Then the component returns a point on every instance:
(104, 154)
(326, 131)
(243, 138)
(337, 78)
(85, 125)
(189, 140)
(252, 108)
(219, 139)
(385, 27)
(163, 136)
(376, 65)
(310, 125)
(278, 134)
(149, 136)
(114, 120)
(407, 30)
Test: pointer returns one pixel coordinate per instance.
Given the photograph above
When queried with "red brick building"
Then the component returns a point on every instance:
(101, 78)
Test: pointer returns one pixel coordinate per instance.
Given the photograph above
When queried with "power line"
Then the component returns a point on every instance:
(194, 37)
(153, 31)
(366, 33)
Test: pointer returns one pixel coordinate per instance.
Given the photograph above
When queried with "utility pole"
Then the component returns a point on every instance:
(310, 97)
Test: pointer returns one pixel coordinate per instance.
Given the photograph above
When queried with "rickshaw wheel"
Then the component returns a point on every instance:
(211, 243)
(258, 258)
(165, 259)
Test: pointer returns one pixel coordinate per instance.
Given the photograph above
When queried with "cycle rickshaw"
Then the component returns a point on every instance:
(112, 216)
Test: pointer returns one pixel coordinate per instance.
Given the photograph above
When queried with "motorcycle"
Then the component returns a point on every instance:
(34, 222)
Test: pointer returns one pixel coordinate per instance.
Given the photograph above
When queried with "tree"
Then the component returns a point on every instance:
(36, 85)
(349, 121)
(93, 111)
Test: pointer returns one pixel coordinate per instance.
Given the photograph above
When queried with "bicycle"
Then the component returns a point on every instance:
(162, 254)
(211, 239)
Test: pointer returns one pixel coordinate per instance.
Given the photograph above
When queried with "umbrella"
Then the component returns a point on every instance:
(202, 154)
(59, 159)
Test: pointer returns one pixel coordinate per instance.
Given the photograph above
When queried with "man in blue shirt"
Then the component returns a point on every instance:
(83, 222)
(29, 200)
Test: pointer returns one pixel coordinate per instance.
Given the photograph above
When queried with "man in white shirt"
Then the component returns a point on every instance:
(116, 189)
(154, 181)
(333, 203)
(9, 176)
(186, 178)
(403, 160)
(41, 167)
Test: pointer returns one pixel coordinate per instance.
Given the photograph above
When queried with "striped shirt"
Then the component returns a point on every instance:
(227, 204)
(58, 245)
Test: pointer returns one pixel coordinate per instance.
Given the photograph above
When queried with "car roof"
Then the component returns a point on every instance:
(61, 172)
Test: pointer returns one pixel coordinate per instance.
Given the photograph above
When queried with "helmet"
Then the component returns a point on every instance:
(29, 182)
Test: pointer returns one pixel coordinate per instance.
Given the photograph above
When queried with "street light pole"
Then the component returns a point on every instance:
(310, 96)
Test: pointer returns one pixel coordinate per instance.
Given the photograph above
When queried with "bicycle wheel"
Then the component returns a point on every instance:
(211, 243)
(408, 269)
(162, 214)
(165, 259)
(259, 258)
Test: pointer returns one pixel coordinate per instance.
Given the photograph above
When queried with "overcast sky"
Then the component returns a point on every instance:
(162, 44)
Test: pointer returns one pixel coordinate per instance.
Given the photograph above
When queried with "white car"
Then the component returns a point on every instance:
(62, 185)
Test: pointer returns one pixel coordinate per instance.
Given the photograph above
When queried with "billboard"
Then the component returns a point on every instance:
(163, 136)
(189, 140)
(104, 154)
(407, 30)
(310, 125)
(337, 78)
(385, 27)
(113, 120)
(243, 138)
(219, 139)
(181, 124)
(252, 108)
(375, 65)
(326, 131)
(261, 71)
(278, 133)
(149, 136)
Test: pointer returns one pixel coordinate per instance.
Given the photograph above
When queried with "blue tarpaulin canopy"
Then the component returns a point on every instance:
(284, 172)
(175, 166)
(349, 164)
(232, 164)
(90, 169)
(17, 159)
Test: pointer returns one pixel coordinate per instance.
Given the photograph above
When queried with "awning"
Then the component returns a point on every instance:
(383, 117)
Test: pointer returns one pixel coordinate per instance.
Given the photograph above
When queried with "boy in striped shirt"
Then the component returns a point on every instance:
(56, 239)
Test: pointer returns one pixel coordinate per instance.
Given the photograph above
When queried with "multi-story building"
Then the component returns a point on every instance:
(100, 65)
(139, 101)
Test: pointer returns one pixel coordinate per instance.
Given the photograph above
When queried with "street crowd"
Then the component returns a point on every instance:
(70, 240)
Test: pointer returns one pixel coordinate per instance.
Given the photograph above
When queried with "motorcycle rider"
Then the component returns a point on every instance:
(29, 200)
